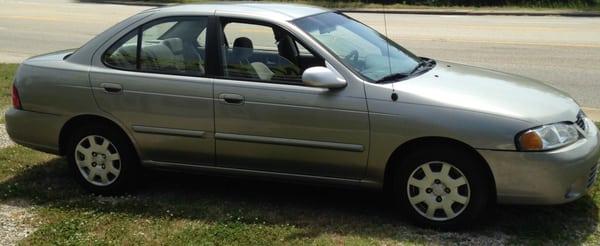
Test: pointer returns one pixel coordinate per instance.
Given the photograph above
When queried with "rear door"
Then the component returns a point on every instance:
(277, 124)
(153, 80)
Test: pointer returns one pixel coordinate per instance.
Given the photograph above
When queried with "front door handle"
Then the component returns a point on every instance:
(231, 98)
(111, 87)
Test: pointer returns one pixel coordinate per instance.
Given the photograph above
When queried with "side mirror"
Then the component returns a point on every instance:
(322, 77)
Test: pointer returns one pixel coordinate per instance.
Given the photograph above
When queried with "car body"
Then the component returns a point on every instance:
(339, 127)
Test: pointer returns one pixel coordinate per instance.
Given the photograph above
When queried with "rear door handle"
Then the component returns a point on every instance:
(111, 87)
(231, 98)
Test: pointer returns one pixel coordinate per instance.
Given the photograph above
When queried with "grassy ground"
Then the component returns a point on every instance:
(7, 72)
(184, 209)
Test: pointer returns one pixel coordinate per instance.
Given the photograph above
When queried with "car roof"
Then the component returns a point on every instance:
(275, 11)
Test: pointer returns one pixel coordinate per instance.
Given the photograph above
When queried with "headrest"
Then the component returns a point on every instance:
(242, 48)
(243, 42)
(174, 44)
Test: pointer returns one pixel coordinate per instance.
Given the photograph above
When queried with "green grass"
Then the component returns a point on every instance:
(187, 209)
(7, 72)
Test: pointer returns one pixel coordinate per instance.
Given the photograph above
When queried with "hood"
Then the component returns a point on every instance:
(486, 91)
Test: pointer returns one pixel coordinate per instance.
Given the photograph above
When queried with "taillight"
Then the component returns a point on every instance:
(16, 101)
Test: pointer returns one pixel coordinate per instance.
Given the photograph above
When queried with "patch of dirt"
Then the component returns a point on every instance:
(496, 238)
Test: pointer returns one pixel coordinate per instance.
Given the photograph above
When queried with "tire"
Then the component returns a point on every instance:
(456, 187)
(103, 168)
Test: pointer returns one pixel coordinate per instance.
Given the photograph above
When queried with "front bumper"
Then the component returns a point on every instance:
(552, 177)
(35, 130)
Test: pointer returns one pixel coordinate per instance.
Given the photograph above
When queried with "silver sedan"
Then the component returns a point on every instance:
(303, 94)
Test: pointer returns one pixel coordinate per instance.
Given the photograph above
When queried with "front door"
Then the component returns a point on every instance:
(267, 120)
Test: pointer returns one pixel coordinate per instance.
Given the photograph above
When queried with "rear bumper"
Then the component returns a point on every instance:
(35, 130)
(553, 177)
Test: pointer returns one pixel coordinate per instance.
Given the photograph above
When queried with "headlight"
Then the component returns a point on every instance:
(547, 137)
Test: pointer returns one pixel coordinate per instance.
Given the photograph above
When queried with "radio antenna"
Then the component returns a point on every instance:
(394, 95)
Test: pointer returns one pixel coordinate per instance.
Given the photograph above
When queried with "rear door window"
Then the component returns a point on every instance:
(169, 46)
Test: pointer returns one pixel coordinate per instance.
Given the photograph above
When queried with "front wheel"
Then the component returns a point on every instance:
(102, 159)
(446, 189)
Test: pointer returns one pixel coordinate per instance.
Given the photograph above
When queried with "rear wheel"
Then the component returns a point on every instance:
(442, 187)
(102, 159)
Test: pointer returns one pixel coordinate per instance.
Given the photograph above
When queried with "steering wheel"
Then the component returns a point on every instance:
(352, 57)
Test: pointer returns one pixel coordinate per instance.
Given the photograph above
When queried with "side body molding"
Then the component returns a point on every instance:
(291, 142)
(168, 131)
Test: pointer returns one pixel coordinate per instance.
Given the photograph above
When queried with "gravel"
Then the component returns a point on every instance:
(15, 221)
(4, 139)
(14, 215)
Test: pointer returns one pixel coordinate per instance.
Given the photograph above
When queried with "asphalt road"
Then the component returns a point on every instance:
(561, 51)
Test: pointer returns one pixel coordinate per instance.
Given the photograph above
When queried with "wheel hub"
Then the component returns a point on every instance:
(99, 158)
(439, 189)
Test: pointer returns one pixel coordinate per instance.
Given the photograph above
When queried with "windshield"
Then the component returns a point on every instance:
(360, 47)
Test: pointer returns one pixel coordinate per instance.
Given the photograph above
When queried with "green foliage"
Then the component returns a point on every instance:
(583, 4)
(479, 3)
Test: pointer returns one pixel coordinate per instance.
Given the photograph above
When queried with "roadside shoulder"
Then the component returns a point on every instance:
(412, 10)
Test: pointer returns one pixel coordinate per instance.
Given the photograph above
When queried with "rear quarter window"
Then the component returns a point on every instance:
(123, 54)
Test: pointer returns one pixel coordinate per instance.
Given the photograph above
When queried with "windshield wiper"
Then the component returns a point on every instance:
(397, 76)
(421, 64)
(392, 77)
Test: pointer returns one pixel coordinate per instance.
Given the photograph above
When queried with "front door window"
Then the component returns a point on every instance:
(264, 53)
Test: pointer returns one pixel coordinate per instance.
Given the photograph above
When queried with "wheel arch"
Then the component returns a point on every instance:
(427, 142)
(79, 120)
